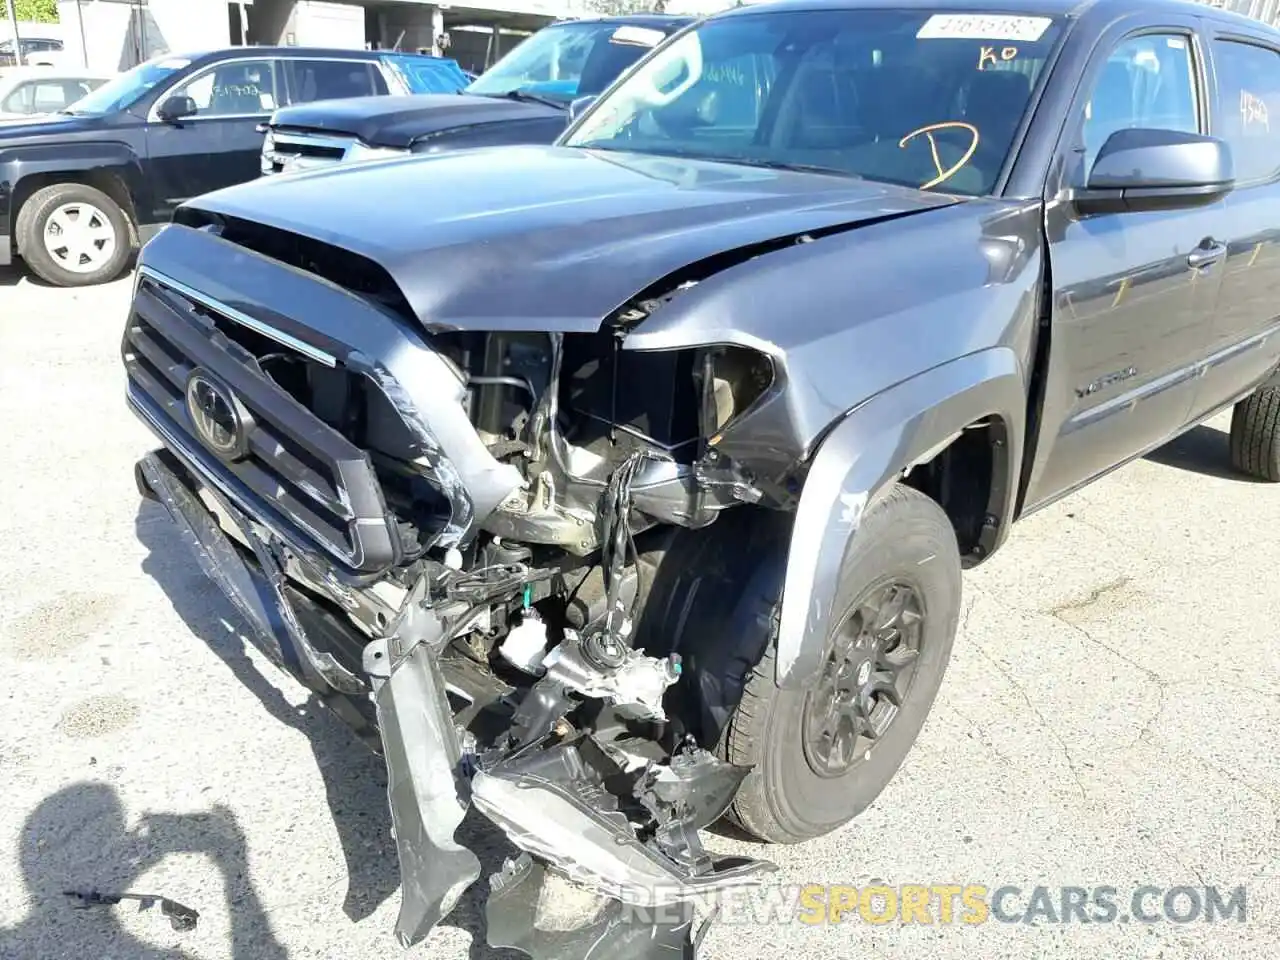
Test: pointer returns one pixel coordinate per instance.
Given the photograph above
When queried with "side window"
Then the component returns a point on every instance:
(1248, 87)
(332, 79)
(19, 99)
(50, 96)
(1148, 81)
(73, 90)
(238, 88)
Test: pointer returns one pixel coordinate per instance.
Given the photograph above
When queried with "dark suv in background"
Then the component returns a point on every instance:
(81, 189)
(523, 98)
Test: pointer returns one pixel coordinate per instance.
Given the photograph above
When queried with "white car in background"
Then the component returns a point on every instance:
(35, 51)
(27, 92)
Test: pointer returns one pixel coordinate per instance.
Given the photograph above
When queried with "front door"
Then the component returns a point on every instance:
(219, 145)
(1134, 293)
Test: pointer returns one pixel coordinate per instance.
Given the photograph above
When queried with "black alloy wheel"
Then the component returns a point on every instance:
(866, 679)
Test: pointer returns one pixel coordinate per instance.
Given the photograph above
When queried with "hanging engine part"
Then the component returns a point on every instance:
(635, 687)
(526, 645)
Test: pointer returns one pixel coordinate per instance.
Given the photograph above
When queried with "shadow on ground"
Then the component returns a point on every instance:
(15, 273)
(1204, 450)
(76, 839)
(11, 275)
(354, 777)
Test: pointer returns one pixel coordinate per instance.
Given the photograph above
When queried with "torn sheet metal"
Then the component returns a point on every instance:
(559, 812)
(259, 598)
(425, 787)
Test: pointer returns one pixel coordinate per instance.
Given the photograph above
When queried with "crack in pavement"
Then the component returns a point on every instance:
(1089, 599)
(1013, 682)
(982, 736)
(1066, 752)
(1145, 732)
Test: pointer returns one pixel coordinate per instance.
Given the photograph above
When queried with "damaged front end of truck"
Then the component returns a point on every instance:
(531, 558)
(492, 611)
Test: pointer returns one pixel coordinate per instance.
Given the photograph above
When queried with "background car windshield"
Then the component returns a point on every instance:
(428, 74)
(124, 90)
(857, 92)
(570, 60)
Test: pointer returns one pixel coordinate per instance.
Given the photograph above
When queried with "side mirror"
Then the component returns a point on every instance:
(176, 108)
(579, 106)
(1144, 169)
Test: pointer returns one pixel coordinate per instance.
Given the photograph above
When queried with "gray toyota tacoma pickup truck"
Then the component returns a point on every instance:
(620, 485)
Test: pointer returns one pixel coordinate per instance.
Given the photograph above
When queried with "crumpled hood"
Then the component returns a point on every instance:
(399, 121)
(548, 238)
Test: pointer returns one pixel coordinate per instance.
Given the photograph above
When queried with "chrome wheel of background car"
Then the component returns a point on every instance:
(865, 679)
(79, 237)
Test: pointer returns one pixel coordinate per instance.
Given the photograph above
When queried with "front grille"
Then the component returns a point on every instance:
(298, 475)
(302, 148)
(298, 151)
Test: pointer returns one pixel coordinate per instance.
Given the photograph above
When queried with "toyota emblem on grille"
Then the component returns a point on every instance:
(219, 420)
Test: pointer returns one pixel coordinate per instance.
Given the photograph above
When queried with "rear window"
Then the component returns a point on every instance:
(46, 96)
(333, 79)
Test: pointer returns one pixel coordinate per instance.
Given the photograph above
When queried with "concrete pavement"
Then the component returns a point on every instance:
(1109, 719)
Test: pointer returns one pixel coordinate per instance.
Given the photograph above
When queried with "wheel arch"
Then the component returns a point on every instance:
(117, 174)
(924, 430)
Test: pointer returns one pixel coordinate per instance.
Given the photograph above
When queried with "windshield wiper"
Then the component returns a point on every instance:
(664, 151)
(525, 97)
(797, 167)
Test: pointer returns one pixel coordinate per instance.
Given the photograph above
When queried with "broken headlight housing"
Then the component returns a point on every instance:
(734, 379)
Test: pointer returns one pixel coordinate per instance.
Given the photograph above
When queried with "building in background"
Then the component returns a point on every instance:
(117, 34)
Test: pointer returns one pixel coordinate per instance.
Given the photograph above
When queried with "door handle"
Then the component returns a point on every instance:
(1209, 252)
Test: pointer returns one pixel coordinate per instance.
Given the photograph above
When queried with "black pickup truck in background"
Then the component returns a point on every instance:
(523, 98)
(79, 190)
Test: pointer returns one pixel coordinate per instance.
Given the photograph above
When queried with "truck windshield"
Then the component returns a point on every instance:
(123, 91)
(926, 99)
(568, 60)
(427, 74)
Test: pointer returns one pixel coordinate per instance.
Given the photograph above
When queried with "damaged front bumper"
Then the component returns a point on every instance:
(409, 697)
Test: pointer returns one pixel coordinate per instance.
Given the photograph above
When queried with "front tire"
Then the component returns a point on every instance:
(821, 754)
(1255, 433)
(73, 235)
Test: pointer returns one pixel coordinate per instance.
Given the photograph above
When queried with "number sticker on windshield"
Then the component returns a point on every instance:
(974, 26)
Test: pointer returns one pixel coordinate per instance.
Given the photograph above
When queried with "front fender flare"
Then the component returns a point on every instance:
(71, 159)
(859, 460)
